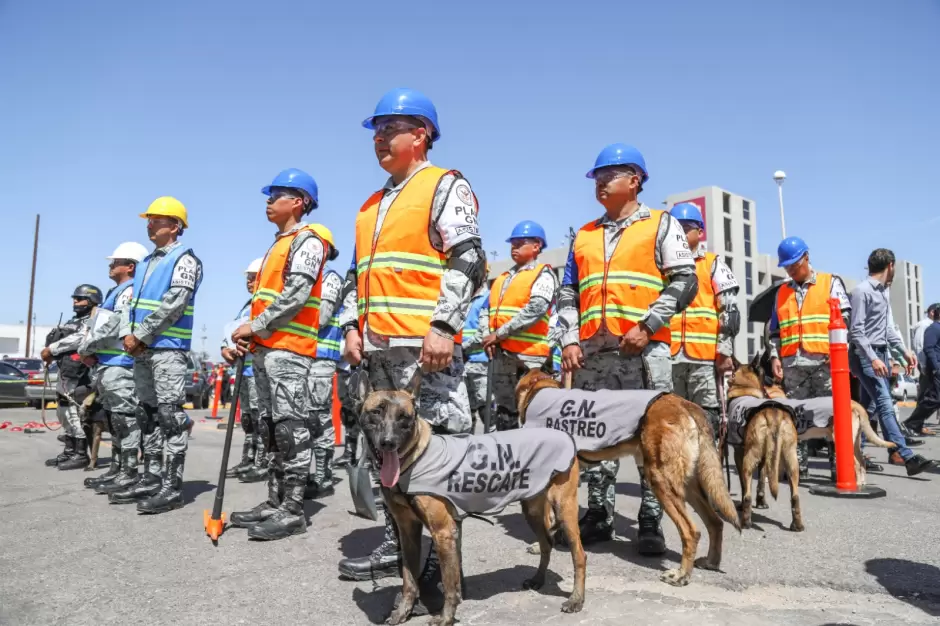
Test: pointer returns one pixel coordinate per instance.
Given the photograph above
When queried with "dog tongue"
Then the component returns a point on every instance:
(390, 468)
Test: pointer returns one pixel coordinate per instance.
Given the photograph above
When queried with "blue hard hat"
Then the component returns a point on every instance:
(295, 179)
(620, 154)
(790, 251)
(687, 212)
(404, 101)
(528, 229)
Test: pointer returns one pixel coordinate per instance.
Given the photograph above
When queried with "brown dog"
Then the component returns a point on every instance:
(674, 445)
(770, 436)
(404, 447)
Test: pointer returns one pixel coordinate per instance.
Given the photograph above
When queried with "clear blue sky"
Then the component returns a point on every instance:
(107, 105)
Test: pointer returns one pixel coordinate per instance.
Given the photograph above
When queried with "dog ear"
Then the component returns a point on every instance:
(414, 385)
(365, 387)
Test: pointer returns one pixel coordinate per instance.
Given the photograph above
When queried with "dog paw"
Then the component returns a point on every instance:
(397, 617)
(797, 528)
(703, 563)
(675, 578)
(535, 582)
(440, 620)
(572, 605)
(534, 548)
(747, 523)
(761, 504)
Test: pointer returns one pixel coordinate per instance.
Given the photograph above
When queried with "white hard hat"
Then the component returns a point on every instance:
(130, 250)
(254, 267)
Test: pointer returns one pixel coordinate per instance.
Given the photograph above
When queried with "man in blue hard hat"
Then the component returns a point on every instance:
(517, 316)
(476, 363)
(799, 335)
(436, 270)
(629, 272)
(703, 335)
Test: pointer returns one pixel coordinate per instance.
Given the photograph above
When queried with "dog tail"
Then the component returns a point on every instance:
(772, 451)
(708, 470)
(859, 412)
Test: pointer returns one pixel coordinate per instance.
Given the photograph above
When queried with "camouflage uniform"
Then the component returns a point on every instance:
(252, 447)
(807, 375)
(321, 390)
(695, 380)
(70, 386)
(391, 361)
(476, 362)
(509, 367)
(604, 367)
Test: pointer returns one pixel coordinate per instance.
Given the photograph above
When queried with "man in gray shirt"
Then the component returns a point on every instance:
(871, 337)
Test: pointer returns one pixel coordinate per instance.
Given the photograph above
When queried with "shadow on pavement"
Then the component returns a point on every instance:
(362, 541)
(194, 488)
(896, 575)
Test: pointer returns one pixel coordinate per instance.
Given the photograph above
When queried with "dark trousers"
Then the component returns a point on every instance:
(928, 401)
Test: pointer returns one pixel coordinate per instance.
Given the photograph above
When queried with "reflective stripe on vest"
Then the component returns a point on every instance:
(398, 270)
(300, 334)
(695, 331)
(330, 334)
(532, 341)
(148, 294)
(805, 326)
(619, 292)
(112, 354)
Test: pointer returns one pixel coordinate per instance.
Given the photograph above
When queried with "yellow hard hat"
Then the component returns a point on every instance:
(326, 235)
(167, 206)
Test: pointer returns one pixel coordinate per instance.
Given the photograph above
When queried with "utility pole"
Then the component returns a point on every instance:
(32, 289)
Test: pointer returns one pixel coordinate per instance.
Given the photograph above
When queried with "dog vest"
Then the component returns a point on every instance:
(806, 414)
(483, 473)
(595, 419)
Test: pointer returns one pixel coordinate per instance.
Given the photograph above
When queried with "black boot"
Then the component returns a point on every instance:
(247, 519)
(649, 536)
(113, 470)
(79, 460)
(170, 496)
(802, 456)
(247, 461)
(67, 452)
(146, 487)
(384, 561)
(288, 519)
(254, 474)
(127, 477)
(320, 484)
(594, 527)
(349, 454)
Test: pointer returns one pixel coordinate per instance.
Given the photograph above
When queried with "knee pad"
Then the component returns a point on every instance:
(147, 418)
(166, 414)
(248, 423)
(266, 431)
(284, 438)
(119, 425)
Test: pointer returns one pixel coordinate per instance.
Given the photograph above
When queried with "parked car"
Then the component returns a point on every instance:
(198, 389)
(905, 388)
(25, 365)
(12, 384)
(34, 386)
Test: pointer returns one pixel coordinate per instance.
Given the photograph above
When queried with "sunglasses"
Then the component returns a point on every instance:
(608, 176)
(277, 195)
(119, 262)
(390, 128)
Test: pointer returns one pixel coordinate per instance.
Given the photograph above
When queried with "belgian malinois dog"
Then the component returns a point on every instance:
(674, 445)
(770, 437)
(397, 437)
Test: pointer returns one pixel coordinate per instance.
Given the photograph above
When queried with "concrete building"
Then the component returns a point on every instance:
(13, 340)
(907, 297)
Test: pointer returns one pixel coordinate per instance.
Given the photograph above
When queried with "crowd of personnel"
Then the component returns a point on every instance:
(642, 305)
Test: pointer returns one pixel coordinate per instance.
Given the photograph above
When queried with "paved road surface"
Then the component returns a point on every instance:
(68, 557)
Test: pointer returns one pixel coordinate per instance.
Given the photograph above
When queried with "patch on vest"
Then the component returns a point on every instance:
(483, 473)
(596, 419)
(806, 414)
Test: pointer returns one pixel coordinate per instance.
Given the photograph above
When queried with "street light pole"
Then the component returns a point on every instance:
(779, 177)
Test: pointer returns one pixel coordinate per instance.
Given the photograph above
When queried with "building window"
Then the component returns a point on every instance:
(917, 271)
(761, 278)
(728, 239)
(729, 262)
(747, 310)
(726, 202)
(748, 280)
(751, 348)
(747, 210)
(747, 240)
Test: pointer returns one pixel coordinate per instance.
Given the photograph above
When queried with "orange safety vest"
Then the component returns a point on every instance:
(398, 271)
(532, 341)
(805, 326)
(300, 334)
(617, 293)
(696, 329)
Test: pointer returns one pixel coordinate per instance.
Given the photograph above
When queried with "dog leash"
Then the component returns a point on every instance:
(42, 398)
(723, 427)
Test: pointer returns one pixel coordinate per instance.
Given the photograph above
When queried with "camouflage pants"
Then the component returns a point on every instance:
(802, 383)
(160, 380)
(67, 411)
(508, 368)
(610, 370)
(696, 383)
(321, 419)
(475, 373)
(248, 398)
(118, 394)
(349, 411)
(284, 403)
